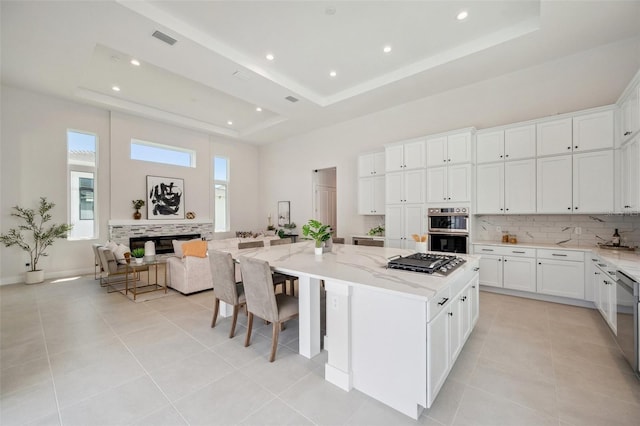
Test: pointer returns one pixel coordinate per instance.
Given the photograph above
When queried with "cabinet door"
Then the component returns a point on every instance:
(394, 183)
(554, 137)
(414, 186)
(465, 323)
(593, 131)
(455, 327)
(414, 223)
(519, 273)
(459, 148)
(378, 194)
(436, 184)
(603, 290)
(561, 278)
(393, 222)
(394, 158)
(378, 163)
(555, 184)
(414, 153)
(436, 151)
(631, 176)
(520, 186)
(365, 165)
(365, 195)
(520, 142)
(491, 270)
(438, 355)
(475, 300)
(459, 183)
(489, 147)
(593, 182)
(490, 188)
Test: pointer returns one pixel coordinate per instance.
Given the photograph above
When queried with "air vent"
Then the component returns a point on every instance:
(292, 99)
(241, 75)
(163, 37)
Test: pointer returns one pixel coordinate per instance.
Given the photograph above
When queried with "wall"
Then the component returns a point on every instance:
(33, 154)
(286, 167)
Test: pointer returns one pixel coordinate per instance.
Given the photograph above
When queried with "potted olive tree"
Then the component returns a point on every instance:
(39, 236)
(317, 232)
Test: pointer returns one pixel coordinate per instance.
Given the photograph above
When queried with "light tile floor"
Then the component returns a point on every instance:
(73, 355)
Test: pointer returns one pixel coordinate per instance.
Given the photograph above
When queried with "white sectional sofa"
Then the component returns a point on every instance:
(191, 274)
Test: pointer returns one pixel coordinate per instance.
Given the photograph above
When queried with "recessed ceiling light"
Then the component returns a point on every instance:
(115, 88)
(135, 62)
(258, 109)
(332, 73)
(386, 49)
(462, 15)
(270, 57)
(230, 123)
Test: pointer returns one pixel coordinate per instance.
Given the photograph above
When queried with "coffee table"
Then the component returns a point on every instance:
(146, 265)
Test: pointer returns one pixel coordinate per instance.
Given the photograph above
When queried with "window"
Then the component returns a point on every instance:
(82, 165)
(221, 194)
(164, 154)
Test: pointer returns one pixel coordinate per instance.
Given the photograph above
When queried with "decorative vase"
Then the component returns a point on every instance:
(138, 260)
(421, 247)
(318, 250)
(34, 277)
(137, 215)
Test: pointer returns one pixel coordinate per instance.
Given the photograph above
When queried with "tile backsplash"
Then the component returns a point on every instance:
(559, 229)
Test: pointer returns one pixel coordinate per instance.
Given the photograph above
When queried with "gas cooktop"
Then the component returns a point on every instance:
(427, 263)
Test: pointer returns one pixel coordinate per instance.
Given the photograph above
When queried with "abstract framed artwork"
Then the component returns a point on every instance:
(165, 198)
(284, 213)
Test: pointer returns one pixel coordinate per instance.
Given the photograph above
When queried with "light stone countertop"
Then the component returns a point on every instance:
(356, 265)
(627, 261)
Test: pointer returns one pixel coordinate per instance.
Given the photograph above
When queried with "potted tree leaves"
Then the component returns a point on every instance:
(317, 232)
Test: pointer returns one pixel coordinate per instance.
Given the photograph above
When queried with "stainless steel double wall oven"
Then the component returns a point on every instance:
(448, 229)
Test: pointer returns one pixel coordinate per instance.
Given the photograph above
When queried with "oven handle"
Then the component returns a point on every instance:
(450, 234)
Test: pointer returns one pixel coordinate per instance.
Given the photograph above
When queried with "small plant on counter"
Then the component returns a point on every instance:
(378, 230)
(137, 253)
(317, 232)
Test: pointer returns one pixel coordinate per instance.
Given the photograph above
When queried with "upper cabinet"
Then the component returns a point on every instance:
(371, 164)
(405, 156)
(586, 132)
(630, 111)
(449, 149)
(515, 143)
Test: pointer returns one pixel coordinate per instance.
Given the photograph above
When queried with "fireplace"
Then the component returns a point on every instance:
(163, 243)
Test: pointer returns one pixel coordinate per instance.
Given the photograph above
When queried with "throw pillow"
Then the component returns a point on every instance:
(111, 245)
(195, 248)
(120, 253)
(177, 246)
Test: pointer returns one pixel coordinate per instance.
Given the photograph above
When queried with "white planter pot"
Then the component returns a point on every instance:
(318, 251)
(34, 277)
(138, 260)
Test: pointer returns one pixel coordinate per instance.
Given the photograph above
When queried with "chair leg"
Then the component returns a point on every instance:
(236, 308)
(274, 340)
(216, 308)
(247, 340)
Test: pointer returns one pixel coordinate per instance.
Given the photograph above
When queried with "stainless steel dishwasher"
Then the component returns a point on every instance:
(628, 299)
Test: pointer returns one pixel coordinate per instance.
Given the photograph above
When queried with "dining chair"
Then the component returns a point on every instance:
(262, 300)
(371, 242)
(278, 279)
(291, 279)
(225, 287)
(338, 240)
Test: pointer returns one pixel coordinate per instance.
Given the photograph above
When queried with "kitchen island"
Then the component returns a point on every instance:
(393, 335)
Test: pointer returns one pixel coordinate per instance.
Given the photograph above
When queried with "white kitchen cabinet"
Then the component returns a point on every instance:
(519, 273)
(405, 156)
(604, 286)
(438, 353)
(508, 187)
(371, 164)
(490, 270)
(371, 198)
(402, 221)
(449, 183)
(511, 144)
(630, 176)
(630, 114)
(578, 183)
(593, 182)
(593, 131)
(507, 267)
(405, 187)
(561, 273)
(450, 149)
(554, 137)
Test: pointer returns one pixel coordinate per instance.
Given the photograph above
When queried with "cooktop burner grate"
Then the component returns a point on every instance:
(427, 263)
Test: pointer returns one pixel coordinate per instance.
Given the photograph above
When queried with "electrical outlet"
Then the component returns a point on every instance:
(498, 228)
(577, 230)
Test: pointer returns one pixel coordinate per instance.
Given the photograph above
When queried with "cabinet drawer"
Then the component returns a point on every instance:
(576, 256)
(495, 250)
(439, 302)
(505, 251)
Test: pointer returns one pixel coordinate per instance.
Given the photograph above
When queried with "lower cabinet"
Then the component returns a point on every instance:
(561, 273)
(604, 289)
(507, 267)
(447, 333)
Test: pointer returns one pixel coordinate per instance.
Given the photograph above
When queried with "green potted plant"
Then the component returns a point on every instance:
(137, 205)
(317, 232)
(378, 230)
(41, 238)
(137, 254)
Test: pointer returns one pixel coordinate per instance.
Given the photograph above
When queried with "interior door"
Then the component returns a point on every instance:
(324, 197)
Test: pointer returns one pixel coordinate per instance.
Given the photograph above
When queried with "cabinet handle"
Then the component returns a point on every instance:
(501, 156)
(568, 208)
(575, 147)
(501, 209)
(568, 147)
(444, 161)
(517, 251)
(463, 298)
(602, 265)
(448, 198)
(450, 314)
(505, 261)
(473, 286)
(487, 249)
(507, 209)
(576, 208)
(539, 263)
(443, 301)
(627, 133)
(449, 159)
(597, 273)
(507, 155)
(476, 269)
(558, 254)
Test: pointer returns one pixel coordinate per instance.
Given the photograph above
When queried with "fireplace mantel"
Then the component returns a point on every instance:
(157, 222)
(120, 230)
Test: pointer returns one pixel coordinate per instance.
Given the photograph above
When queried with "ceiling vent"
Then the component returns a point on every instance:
(292, 99)
(163, 37)
(241, 75)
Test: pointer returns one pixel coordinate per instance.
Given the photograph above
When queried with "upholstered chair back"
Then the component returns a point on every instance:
(223, 276)
(258, 288)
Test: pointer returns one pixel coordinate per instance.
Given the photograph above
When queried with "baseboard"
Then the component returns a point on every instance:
(17, 279)
(538, 296)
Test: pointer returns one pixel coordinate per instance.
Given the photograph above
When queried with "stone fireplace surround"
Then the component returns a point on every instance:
(121, 230)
